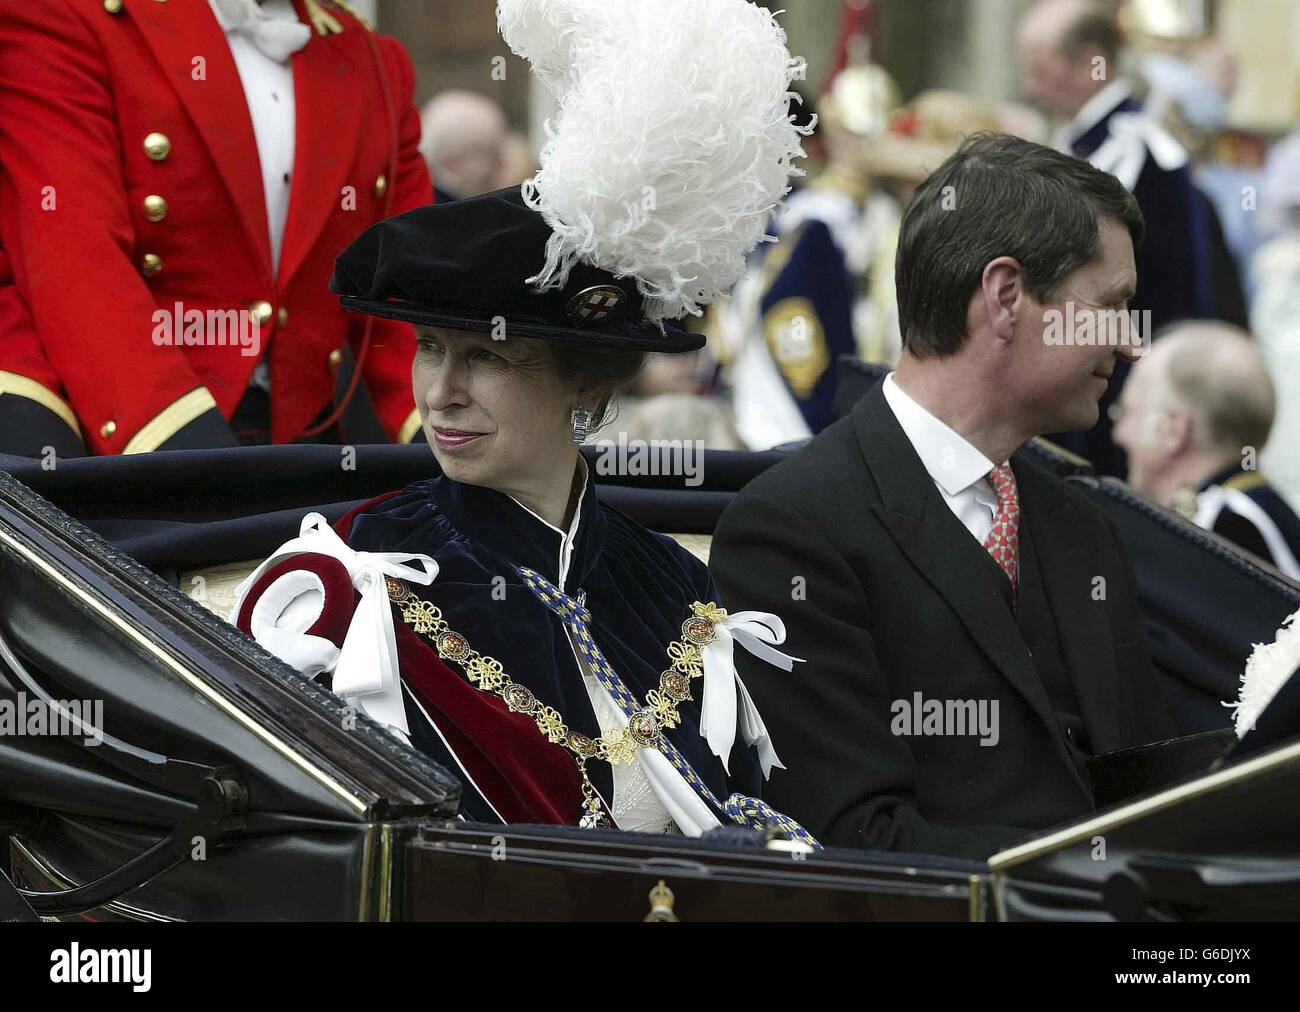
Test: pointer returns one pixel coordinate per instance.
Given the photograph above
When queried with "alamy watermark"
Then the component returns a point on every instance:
(75, 965)
(639, 457)
(214, 328)
(917, 717)
(24, 717)
(1114, 328)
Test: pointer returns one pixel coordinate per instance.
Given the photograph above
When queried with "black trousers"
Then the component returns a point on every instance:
(251, 421)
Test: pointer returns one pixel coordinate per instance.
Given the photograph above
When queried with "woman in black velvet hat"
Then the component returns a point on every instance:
(567, 664)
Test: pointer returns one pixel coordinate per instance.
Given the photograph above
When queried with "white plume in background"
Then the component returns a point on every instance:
(673, 140)
(1268, 669)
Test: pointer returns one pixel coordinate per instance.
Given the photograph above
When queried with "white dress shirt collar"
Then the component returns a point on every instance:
(952, 462)
(272, 109)
(568, 538)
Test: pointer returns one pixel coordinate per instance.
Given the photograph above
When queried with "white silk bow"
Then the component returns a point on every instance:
(366, 671)
(1132, 136)
(756, 631)
(277, 38)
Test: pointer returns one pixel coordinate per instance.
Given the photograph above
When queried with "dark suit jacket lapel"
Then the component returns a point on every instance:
(946, 555)
(1068, 569)
(177, 32)
(941, 548)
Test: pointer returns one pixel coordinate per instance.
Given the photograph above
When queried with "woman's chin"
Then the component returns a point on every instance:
(451, 466)
(458, 467)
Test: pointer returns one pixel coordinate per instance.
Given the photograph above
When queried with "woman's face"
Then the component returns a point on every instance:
(496, 413)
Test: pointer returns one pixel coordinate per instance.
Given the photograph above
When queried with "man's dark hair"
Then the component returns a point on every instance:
(998, 196)
(1093, 27)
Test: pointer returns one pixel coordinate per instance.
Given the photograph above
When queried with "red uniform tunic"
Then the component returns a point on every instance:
(130, 182)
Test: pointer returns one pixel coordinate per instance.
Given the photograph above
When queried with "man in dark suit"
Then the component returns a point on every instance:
(969, 622)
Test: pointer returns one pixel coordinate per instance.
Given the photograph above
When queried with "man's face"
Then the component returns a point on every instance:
(1058, 385)
(475, 170)
(1140, 427)
(1059, 85)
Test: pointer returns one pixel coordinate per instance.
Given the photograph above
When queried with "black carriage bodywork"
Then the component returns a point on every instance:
(319, 814)
(186, 696)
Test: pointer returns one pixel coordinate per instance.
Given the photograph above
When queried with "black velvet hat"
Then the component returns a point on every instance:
(464, 265)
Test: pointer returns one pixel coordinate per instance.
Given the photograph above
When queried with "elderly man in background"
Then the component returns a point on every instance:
(1193, 417)
(517, 161)
(463, 140)
(1069, 52)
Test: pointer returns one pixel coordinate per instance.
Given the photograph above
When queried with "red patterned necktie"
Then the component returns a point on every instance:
(1003, 542)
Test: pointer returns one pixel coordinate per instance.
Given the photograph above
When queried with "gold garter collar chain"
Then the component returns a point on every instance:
(617, 746)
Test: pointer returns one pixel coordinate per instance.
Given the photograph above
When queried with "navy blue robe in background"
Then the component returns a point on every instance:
(816, 287)
(1249, 532)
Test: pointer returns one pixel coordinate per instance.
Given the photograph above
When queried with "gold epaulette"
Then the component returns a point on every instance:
(1246, 480)
(346, 7)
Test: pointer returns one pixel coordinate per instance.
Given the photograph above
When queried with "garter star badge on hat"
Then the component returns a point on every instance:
(592, 305)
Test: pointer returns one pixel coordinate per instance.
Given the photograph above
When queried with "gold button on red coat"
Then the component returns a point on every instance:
(155, 208)
(157, 147)
(335, 359)
(282, 317)
(151, 264)
(113, 6)
(261, 312)
(381, 186)
(107, 429)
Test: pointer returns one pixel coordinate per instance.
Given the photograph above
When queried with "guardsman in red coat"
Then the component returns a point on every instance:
(176, 180)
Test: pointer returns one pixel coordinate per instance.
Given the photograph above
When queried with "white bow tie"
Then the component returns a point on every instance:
(278, 38)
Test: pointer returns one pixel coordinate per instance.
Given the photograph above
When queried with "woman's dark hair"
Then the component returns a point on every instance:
(998, 196)
(585, 367)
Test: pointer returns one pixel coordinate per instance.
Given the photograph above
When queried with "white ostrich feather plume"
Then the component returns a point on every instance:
(1267, 670)
(672, 143)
